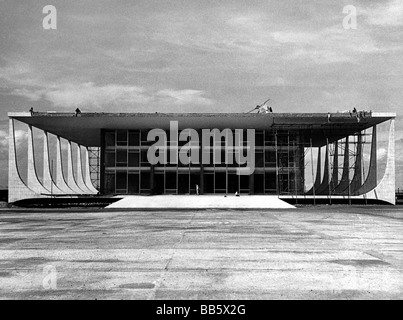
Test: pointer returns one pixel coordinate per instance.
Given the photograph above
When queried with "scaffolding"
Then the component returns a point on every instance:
(94, 154)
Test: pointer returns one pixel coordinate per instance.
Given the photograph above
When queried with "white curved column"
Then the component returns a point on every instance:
(32, 178)
(70, 173)
(48, 182)
(80, 179)
(17, 189)
(88, 181)
(60, 181)
(385, 190)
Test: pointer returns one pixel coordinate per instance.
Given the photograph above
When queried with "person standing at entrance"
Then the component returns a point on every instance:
(197, 189)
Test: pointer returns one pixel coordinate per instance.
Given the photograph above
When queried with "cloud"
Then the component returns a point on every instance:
(329, 45)
(32, 95)
(215, 30)
(20, 139)
(388, 14)
(273, 81)
(183, 97)
(88, 94)
(24, 81)
(319, 56)
(15, 70)
(91, 95)
(294, 37)
(17, 73)
(3, 139)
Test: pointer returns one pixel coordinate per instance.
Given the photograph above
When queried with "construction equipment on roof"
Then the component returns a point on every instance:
(263, 108)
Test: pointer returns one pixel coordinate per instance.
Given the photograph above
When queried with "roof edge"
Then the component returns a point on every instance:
(122, 114)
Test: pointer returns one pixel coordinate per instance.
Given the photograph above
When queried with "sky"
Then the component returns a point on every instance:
(199, 56)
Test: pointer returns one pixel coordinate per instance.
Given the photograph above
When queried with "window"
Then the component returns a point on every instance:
(233, 183)
(183, 183)
(207, 157)
(110, 158)
(121, 158)
(134, 159)
(270, 156)
(283, 159)
(208, 182)
(145, 181)
(110, 138)
(109, 182)
(222, 162)
(269, 138)
(244, 182)
(232, 154)
(180, 163)
(133, 184)
(144, 141)
(194, 179)
(144, 159)
(259, 159)
(283, 183)
(258, 183)
(170, 180)
(270, 181)
(220, 181)
(121, 137)
(134, 138)
(282, 140)
(159, 184)
(259, 138)
(121, 181)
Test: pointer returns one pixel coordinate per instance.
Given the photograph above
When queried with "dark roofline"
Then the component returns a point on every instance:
(198, 114)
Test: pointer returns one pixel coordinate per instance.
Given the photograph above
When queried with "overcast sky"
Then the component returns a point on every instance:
(200, 56)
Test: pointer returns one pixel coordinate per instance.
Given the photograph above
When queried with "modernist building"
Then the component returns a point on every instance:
(285, 148)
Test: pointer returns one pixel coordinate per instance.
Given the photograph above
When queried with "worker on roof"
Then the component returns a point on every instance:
(265, 109)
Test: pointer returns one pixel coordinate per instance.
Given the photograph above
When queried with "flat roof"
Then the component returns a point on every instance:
(85, 128)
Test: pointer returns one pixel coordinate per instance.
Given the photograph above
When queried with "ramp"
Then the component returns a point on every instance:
(200, 202)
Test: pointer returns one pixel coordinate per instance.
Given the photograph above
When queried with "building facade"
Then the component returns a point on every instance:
(294, 156)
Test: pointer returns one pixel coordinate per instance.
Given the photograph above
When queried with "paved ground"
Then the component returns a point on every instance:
(306, 253)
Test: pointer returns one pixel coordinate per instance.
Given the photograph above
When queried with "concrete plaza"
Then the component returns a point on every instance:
(326, 252)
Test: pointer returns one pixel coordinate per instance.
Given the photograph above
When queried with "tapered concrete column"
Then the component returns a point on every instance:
(356, 182)
(88, 181)
(32, 178)
(60, 181)
(372, 178)
(48, 182)
(300, 165)
(17, 189)
(335, 173)
(324, 186)
(80, 179)
(385, 190)
(71, 182)
(344, 183)
(318, 178)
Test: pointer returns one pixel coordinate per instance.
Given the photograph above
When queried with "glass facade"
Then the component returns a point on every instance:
(279, 166)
